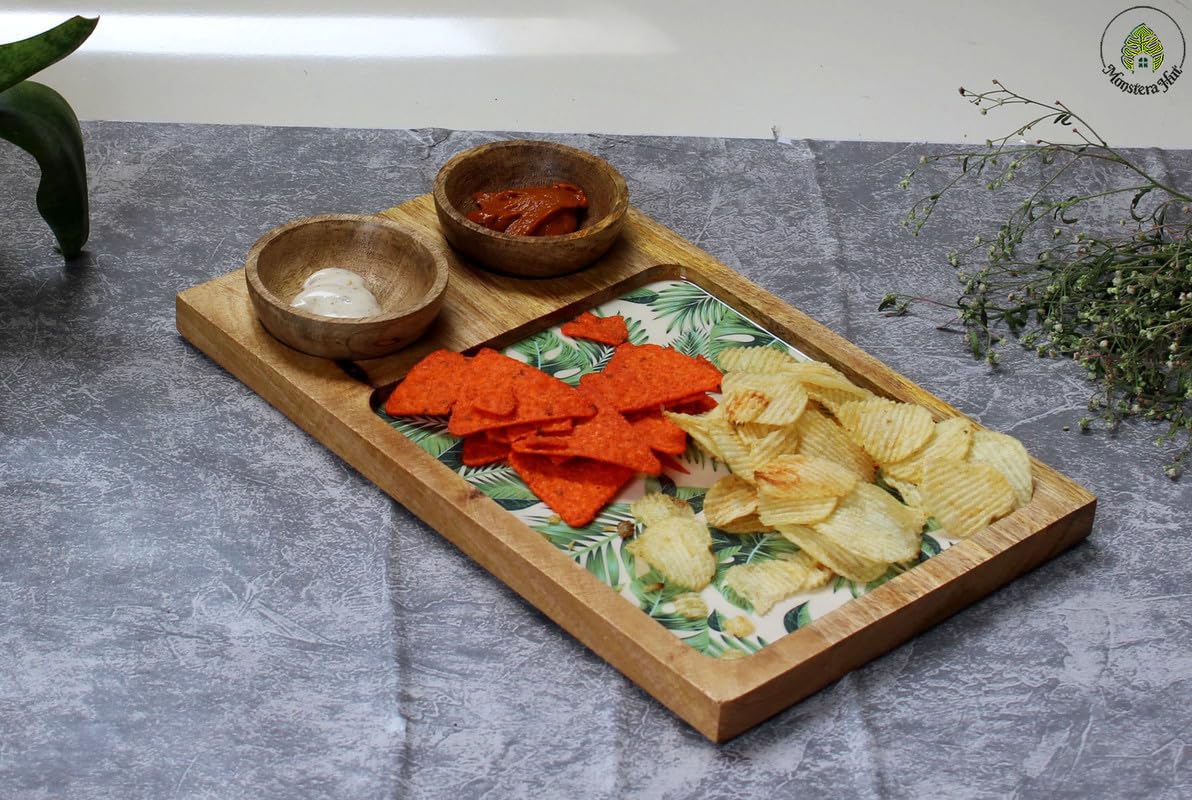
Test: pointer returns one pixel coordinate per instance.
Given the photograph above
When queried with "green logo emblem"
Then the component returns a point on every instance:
(1142, 50)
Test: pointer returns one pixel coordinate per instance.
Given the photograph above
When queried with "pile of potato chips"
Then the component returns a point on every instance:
(804, 446)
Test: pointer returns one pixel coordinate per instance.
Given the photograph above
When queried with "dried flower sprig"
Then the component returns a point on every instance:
(1119, 305)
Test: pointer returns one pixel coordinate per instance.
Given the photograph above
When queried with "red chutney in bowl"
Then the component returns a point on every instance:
(532, 211)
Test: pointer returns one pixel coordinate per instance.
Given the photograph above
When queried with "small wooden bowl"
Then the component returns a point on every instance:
(405, 269)
(516, 164)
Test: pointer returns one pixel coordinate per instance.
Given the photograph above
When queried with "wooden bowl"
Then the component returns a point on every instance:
(520, 163)
(405, 269)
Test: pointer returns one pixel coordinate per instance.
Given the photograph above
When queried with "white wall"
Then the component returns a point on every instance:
(841, 70)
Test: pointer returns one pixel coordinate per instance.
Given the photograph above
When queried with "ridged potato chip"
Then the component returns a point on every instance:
(729, 499)
(909, 491)
(697, 426)
(755, 359)
(823, 380)
(804, 477)
(744, 525)
(770, 399)
(656, 506)
(965, 497)
(871, 524)
(768, 361)
(832, 556)
(753, 432)
(733, 451)
(717, 437)
(949, 441)
(680, 549)
(777, 510)
(833, 398)
(768, 583)
(887, 430)
(779, 442)
(873, 497)
(821, 436)
(787, 406)
(745, 403)
(1007, 455)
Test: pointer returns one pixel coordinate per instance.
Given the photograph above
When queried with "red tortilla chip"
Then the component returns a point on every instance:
(558, 426)
(599, 389)
(659, 433)
(480, 450)
(489, 386)
(466, 420)
(606, 437)
(698, 404)
(540, 398)
(647, 376)
(606, 330)
(511, 433)
(498, 400)
(577, 489)
(431, 387)
(695, 404)
(644, 359)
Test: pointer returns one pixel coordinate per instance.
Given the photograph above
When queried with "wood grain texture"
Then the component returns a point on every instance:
(517, 164)
(404, 268)
(719, 698)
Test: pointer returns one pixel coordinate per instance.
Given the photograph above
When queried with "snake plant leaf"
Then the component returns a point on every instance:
(20, 60)
(39, 121)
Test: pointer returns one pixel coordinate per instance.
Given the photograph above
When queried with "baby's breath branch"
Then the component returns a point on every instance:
(1119, 305)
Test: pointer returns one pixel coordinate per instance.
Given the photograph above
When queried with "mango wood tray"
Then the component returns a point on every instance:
(720, 698)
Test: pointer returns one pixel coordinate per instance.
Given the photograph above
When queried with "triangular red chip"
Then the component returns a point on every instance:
(647, 376)
(606, 437)
(511, 433)
(576, 489)
(606, 330)
(543, 398)
(558, 426)
(599, 389)
(642, 360)
(539, 397)
(468, 420)
(489, 385)
(697, 404)
(480, 450)
(659, 433)
(431, 387)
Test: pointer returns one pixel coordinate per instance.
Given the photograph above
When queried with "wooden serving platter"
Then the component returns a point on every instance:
(720, 698)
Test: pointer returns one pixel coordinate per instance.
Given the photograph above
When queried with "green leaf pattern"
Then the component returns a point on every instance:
(684, 316)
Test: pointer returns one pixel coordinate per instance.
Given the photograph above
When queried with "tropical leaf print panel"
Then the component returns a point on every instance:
(715, 621)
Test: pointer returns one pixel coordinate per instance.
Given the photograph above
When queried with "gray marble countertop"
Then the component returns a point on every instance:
(197, 600)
